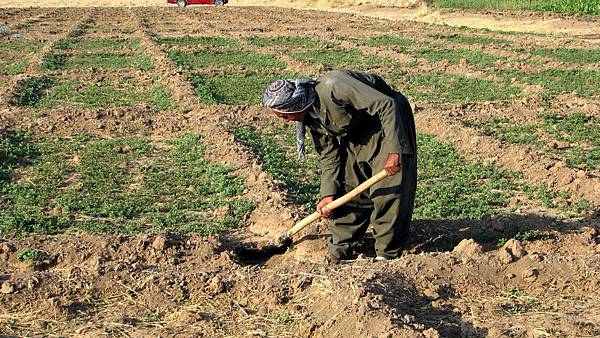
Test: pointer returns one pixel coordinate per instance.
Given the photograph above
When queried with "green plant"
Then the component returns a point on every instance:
(284, 318)
(124, 92)
(13, 68)
(300, 176)
(556, 81)
(574, 55)
(527, 235)
(78, 44)
(30, 91)
(124, 186)
(454, 56)
(337, 57)
(236, 88)
(447, 87)
(205, 58)
(450, 187)
(97, 60)
(54, 61)
(198, 40)
(31, 255)
(470, 39)
(286, 42)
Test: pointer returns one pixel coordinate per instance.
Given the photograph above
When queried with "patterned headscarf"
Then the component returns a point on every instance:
(289, 97)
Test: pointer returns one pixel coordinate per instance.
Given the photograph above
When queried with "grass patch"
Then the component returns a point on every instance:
(198, 40)
(31, 90)
(571, 55)
(55, 61)
(454, 56)
(451, 188)
(506, 131)
(13, 68)
(470, 39)
(527, 235)
(582, 132)
(21, 46)
(301, 177)
(559, 6)
(236, 88)
(338, 58)
(77, 44)
(124, 186)
(32, 255)
(286, 42)
(206, 58)
(447, 87)
(557, 81)
(123, 92)
(388, 40)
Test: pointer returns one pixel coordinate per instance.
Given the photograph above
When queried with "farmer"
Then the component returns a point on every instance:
(359, 126)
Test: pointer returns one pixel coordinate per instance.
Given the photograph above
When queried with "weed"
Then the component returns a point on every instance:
(54, 61)
(206, 58)
(32, 255)
(97, 60)
(525, 236)
(446, 87)
(450, 187)
(13, 68)
(236, 88)
(573, 55)
(470, 39)
(338, 58)
(30, 91)
(504, 130)
(124, 92)
(119, 186)
(198, 40)
(284, 319)
(78, 44)
(286, 42)
(16, 149)
(281, 164)
(389, 40)
(556, 81)
(515, 302)
(454, 56)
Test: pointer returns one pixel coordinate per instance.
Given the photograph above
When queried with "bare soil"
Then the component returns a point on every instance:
(188, 285)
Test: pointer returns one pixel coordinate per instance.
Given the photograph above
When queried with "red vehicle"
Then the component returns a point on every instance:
(183, 3)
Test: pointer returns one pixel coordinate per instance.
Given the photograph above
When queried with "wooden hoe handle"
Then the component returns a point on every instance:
(338, 202)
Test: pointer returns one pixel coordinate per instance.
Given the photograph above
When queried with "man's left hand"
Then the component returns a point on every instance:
(393, 164)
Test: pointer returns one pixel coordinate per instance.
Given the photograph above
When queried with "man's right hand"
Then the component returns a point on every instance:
(321, 207)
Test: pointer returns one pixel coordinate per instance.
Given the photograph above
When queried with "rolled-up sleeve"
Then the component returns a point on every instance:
(327, 146)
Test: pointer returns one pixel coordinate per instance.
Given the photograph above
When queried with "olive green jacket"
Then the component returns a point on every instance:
(352, 103)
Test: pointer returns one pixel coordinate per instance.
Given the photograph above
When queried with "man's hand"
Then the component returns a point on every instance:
(321, 207)
(393, 164)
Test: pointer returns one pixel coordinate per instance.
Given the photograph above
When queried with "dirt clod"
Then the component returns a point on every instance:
(468, 248)
(530, 275)
(7, 287)
(512, 251)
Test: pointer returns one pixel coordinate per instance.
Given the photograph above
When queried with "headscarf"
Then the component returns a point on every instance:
(289, 97)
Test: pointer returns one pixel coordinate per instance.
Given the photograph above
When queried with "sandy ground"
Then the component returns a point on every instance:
(394, 10)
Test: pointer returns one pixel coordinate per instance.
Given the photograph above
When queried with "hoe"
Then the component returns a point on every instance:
(284, 240)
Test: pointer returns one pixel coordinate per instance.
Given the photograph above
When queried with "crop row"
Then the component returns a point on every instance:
(119, 185)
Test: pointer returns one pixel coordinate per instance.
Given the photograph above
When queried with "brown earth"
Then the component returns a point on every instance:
(187, 285)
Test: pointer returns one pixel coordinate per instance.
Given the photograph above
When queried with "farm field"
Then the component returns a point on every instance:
(135, 160)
